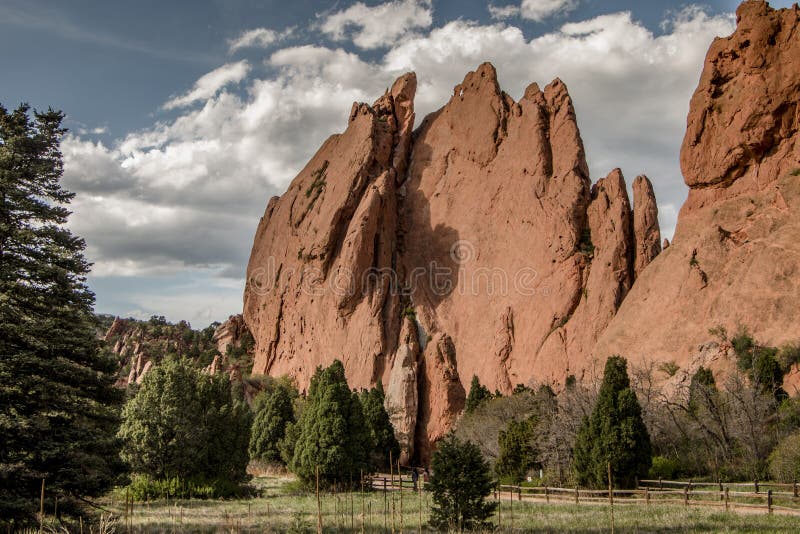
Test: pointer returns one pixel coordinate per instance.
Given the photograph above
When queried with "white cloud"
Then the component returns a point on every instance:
(503, 12)
(185, 196)
(540, 10)
(536, 10)
(378, 26)
(257, 38)
(209, 84)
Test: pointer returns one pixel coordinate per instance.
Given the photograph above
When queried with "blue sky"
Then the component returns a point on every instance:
(186, 116)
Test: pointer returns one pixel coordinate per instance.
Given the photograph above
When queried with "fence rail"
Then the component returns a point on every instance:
(667, 492)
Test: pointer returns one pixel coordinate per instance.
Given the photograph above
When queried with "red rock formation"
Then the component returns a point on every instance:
(645, 224)
(735, 255)
(230, 333)
(477, 247)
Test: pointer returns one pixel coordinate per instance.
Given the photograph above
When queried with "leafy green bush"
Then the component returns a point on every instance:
(663, 467)
(784, 462)
(143, 488)
(184, 424)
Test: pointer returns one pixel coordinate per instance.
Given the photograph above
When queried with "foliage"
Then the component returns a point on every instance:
(332, 435)
(478, 394)
(385, 444)
(59, 410)
(145, 488)
(459, 486)
(517, 451)
(614, 434)
(185, 424)
(669, 368)
(784, 461)
(484, 425)
(662, 467)
(762, 363)
(274, 410)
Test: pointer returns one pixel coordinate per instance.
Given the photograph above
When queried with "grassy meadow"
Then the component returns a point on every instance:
(282, 507)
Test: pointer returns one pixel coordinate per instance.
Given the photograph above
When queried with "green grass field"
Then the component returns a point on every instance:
(281, 507)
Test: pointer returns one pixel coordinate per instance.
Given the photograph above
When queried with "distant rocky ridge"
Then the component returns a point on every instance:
(477, 244)
(225, 347)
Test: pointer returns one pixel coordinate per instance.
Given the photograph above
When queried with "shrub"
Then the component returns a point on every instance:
(663, 467)
(669, 368)
(784, 462)
(183, 424)
(459, 486)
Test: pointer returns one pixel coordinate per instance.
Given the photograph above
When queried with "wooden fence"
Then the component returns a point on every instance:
(754, 496)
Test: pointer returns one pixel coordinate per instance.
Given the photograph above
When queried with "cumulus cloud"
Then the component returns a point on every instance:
(184, 196)
(209, 84)
(536, 10)
(257, 38)
(378, 26)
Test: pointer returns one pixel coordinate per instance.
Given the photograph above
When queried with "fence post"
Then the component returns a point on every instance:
(686, 495)
(611, 496)
(755, 483)
(546, 495)
(519, 493)
(794, 488)
(727, 497)
(319, 510)
(769, 501)
(647, 496)
(720, 489)
(660, 486)
(577, 497)
(511, 507)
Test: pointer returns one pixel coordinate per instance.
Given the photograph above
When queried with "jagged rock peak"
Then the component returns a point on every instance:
(734, 257)
(645, 224)
(484, 185)
(744, 113)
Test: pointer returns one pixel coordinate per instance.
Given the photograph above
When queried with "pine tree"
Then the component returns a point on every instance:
(614, 433)
(478, 394)
(59, 409)
(517, 453)
(274, 411)
(333, 436)
(459, 486)
(380, 427)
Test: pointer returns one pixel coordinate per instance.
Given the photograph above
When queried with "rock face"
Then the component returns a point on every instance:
(476, 246)
(735, 256)
(230, 334)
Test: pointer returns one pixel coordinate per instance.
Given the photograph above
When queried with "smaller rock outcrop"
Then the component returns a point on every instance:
(646, 231)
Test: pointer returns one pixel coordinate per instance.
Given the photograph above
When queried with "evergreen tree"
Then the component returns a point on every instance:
(478, 394)
(614, 433)
(380, 427)
(274, 411)
(185, 424)
(333, 436)
(59, 409)
(459, 485)
(517, 453)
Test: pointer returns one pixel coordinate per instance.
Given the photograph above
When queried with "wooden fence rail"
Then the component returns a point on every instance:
(726, 496)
